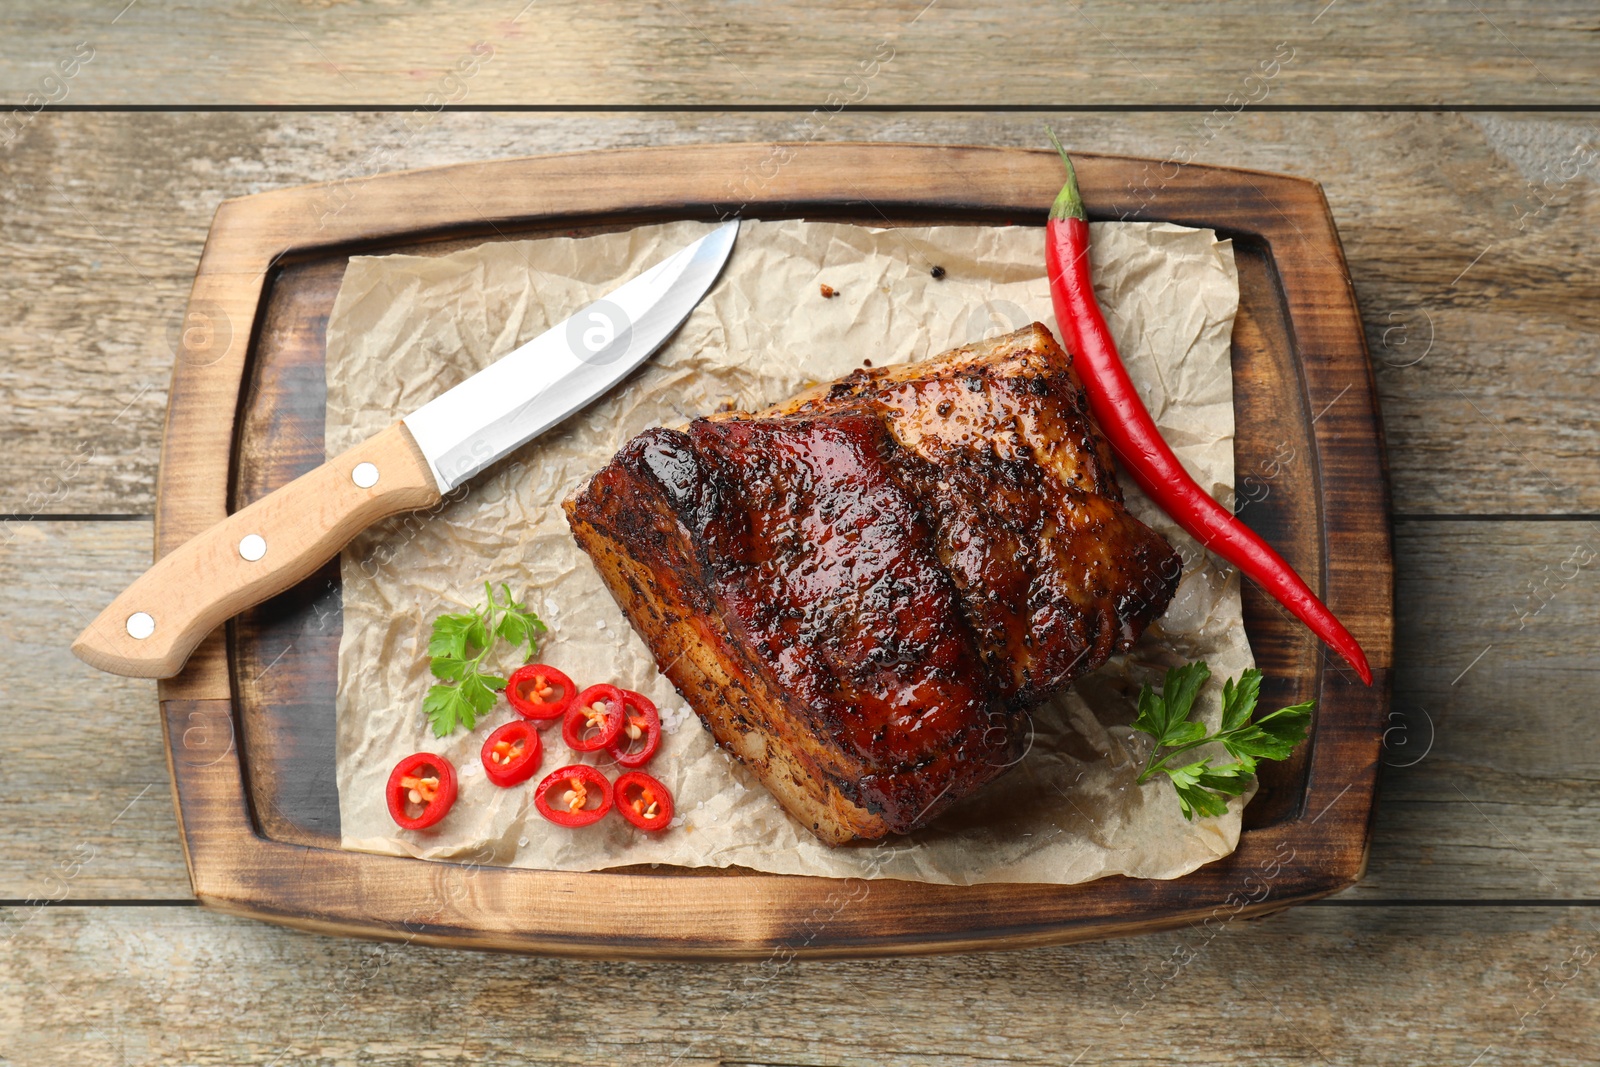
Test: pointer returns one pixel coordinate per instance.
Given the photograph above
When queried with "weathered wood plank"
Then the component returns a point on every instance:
(1492, 752)
(707, 52)
(1318, 985)
(1503, 805)
(86, 792)
(1483, 360)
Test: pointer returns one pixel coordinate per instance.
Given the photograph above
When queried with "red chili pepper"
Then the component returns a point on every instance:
(512, 753)
(643, 801)
(577, 788)
(422, 787)
(1138, 443)
(642, 722)
(536, 691)
(594, 720)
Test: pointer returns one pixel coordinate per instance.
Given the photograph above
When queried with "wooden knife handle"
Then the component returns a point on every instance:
(150, 629)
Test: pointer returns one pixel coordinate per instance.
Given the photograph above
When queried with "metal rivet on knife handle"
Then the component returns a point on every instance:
(141, 625)
(252, 547)
(365, 475)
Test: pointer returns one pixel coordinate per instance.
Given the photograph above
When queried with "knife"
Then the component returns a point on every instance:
(259, 551)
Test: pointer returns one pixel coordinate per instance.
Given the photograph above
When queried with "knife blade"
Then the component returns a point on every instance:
(150, 629)
(525, 393)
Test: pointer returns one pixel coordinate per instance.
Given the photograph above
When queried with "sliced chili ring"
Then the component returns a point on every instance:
(537, 691)
(595, 719)
(421, 790)
(512, 753)
(641, 727)
(643, 801)
(565, 796)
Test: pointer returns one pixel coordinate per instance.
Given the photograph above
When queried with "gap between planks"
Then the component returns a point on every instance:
(1325, 902)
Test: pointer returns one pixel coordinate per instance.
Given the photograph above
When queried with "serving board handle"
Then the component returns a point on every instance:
(257, 552)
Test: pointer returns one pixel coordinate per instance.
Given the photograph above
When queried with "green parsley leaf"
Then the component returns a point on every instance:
(1163, 717)
(1201, 786)
(1273, 736)
(1193, 796)
(519, 625)
(1230, 778)
(478, 693)
(1181, 687)
(451, 634)
(1185, 734)
(448, 668)
(445, 708)
(1239, 700)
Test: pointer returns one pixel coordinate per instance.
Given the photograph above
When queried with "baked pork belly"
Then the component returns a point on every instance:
(863, 589)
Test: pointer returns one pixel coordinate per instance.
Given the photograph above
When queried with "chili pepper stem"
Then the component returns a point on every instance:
(1069, 202)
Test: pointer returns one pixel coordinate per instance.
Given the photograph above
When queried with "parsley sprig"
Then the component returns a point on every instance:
(457, 652)
(1204, 786)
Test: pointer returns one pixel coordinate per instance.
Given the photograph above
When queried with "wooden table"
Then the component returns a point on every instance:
(1468, 225)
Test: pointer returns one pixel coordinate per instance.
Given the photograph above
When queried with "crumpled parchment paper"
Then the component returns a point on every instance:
(404, 328)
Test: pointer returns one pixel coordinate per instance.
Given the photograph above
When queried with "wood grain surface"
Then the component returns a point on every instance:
(687, 52)
(1468, 242)
(1396, 986)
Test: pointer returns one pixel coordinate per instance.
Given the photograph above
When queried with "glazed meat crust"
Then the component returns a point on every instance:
(862, 589)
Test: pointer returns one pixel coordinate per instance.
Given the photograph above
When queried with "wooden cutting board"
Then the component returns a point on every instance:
(250, 722)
